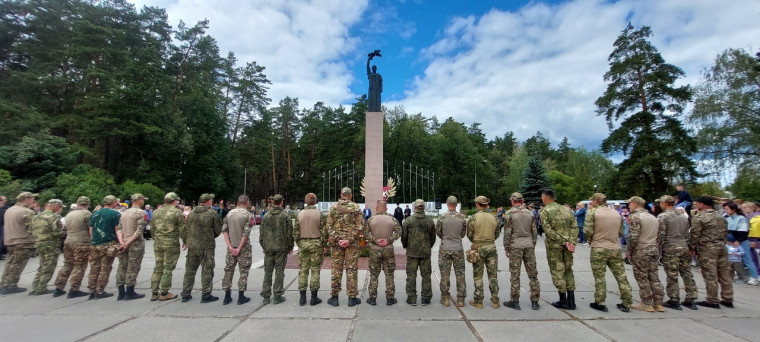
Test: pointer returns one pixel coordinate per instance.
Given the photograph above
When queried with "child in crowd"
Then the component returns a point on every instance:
(735, 254)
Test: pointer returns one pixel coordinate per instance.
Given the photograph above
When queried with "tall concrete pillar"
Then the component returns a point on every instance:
(373, 160)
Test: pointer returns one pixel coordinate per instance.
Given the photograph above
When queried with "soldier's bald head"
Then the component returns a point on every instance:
(382, 206)
(310, 199)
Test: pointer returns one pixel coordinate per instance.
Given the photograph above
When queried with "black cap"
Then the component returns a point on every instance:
(708, 201)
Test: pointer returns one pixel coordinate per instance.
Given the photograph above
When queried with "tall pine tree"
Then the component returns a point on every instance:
(535, 180)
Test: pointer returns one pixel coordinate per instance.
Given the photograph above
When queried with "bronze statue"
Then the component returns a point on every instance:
(375, 84)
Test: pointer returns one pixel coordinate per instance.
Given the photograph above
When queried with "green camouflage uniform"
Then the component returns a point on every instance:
(202, 227)
(418, 237)
(76, 249)
(520, 234)
(560, 226)
(310, 256)
(451, 228)
(276, 239)
(46, 230)
(644, 258)
(602, 258)
(381, 258)
(483, 229)
(708, 239)
(132, 222)
(237, 224)
(165, 226)
(674, 235)
(344, 222)
(18, 253)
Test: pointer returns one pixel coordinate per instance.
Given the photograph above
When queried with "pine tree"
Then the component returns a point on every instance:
(535, 180)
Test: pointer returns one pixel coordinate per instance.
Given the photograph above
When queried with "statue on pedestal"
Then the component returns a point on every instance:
(375, 84)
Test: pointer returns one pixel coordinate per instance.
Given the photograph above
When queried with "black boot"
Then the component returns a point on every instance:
(333, 301)
(302, 300)
(131, 294)
(122, 292)
(242, 299)
(227, 297)
(571, 300)
(353, 301)
(314, 299)
(562, 303)
(599, 307)
(534, 305)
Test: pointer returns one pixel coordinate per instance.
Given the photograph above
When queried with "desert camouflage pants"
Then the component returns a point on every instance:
(203, 258)
(382, 260)
(166, 262)
(274, 262)
(645, 271)
(526, 256)
(601, 259)
(716, 270)
(18, 256)
(310, 260)
(426, 269)
(130, 261)
(101, 263)
(347, 258)
(489, 260)
(48, 252)
(677, 260)
(447, 260)
(243, 261)
(75, 257)
(561, 267)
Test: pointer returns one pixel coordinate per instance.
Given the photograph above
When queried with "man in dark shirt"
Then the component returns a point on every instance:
(407, 212)
(398, 213)
(684, 198)
(3, 208)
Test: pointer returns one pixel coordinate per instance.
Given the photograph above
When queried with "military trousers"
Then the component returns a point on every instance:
(383, 259)
(426, 270)
(526, 256)
(561, 267)
(18, 256)
(243, 261)
(677, 260)
(716, 270)
(601, 259)
(274, 262)
(75, 257)
(203, 258)
(310, 260)
(130, 261)
(447, 260)
(341, 258)
(166, 261)
(645, 271)
(489, 260)
(48, 252)
(101, 263)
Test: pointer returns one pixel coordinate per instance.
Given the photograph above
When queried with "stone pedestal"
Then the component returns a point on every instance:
(373, 160)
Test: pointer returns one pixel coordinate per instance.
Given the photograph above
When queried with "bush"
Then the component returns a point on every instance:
(154, 194)
(85, 180)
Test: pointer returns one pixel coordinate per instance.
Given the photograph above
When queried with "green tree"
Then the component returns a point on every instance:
(747, 184)
(535, 180)
(154, 194)
(642, 98)
(37, 159)
(85, 180)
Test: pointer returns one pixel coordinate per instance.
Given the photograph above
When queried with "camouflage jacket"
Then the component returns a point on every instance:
(451, 227)
(418, 235)
(237, 224)
(644, 226)
(483, 227)
(674, 228)
(202, 227)
(276, 232)
(708, 229)
(344, 222)
(559, 225)
(47, 227)
(165, 226)
(520, 229)
(372, 240)
(322, 227)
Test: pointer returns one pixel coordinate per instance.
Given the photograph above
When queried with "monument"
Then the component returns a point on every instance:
(373, 148)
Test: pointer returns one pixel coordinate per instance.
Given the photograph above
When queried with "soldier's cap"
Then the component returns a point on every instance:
(109, 199)
(278, 198)
(708, 201)
(83, 200)
(346, 191)
(55, 201)
(482, 200)
(171, 196)
(668, 199)
(24, 195)
(599, 197)
(516, 196)
(452, 200)
(138, 196)
(638, 200)
(206, 197)
(419, 203)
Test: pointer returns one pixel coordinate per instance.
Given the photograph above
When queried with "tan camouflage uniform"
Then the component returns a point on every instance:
(344, 222)
(520, 235)
(708, 239)
(130, 259)
(237, 224)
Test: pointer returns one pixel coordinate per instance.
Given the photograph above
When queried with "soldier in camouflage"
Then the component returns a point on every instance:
(418, 237)
(708, 241)
(105, 246)
(561, 230)
(76, 250)
(19, 241)
(166, 224)
(603, 228)
(643, 251)
(520, 234)
(132, 246)
(47, 231)
(310, 235)
(276, 240)
(344, 225)
(380, 231)
(451, 228)
(674, 235)
(202, 227)
(483, 229)
(237, 231)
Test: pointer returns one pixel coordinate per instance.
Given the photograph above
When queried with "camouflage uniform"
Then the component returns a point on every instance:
(76, 249)
(643, 240)
(165, 226)
(237, 224)
(418, 237)
(20, 250)
(451, 228)
(674, 230)
(382, 226)
(310, 247)
(483, 229)
(104, 248)
(708, 240)
(132, 222)
(46, 229)
(520, 235)
(202, 227)
(276, 239)
(344, 222)
(560, 227)
(604, 238)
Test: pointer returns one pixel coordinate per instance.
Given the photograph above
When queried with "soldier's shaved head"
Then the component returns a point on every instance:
(310, 199)
(382, 206)
(242, 199)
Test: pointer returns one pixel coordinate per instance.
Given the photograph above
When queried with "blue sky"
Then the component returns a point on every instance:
(520, 66)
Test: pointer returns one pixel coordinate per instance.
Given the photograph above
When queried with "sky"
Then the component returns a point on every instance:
(520, 66)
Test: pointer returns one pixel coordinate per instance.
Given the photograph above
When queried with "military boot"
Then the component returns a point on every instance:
(659, 308)
(167, 296)
(58, 292)
(333, 301)
(76, 294)
(278, 300)
(495, 303)
(643, 307)
(227, 297)
(302, 300)
(534, 305)
(266, 300)
(571, 300)
(122, 292)
(512, 304)
(314, 299)
(242, 299)
(460, 302)
(353, 301)
(208, 298)
(391, 301)
(131, 294)
(690, 303)
(154, 297)
(445, 301)
(599, 307)
(673, 304)
(478, 303)
(562, 303)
